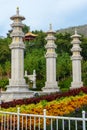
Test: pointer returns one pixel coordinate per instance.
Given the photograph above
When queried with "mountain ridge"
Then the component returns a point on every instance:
(81, 29)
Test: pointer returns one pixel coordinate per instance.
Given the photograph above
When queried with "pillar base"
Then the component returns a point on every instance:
(10, 96)
(50, 87)
(16, 92)
(17, 88)
(76, 85)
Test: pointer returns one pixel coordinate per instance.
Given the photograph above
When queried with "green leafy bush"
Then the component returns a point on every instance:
(3, 83)
(65, 84)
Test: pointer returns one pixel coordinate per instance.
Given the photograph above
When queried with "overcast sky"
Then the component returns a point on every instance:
(40, 13)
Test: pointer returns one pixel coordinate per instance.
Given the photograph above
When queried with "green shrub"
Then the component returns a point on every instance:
(3, 83)
(65, 84)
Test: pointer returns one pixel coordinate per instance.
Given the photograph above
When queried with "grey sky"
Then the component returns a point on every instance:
(40, 13)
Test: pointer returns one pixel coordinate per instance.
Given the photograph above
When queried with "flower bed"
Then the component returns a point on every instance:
(50, 97)
(59, 107)
(56, 107)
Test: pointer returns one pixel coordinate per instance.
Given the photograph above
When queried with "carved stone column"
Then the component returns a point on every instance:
(17, 87)
(76, 62)
(51, 83)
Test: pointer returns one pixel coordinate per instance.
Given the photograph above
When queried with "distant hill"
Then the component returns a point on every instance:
(82, 30)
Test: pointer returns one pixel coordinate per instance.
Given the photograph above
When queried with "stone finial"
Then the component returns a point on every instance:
(50, 31)
(17, 10)
(76, 35)
(50, 26)
(75, 31)
(34, 72)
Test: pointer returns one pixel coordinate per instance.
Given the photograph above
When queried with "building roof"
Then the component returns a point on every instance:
(30, 34)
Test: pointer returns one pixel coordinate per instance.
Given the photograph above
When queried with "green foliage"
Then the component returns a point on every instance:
(63, 43)
(81, 30)
(44, 103)
(65, 84)
(26, 78)
(36, 61)
(81, 93)
(84, 72)
(63, 66)
(1, 71)
(3, 83)
(26, 29)
(4, 50)
(84, 48)
(8, 68)
(37, 43)
(40, 84)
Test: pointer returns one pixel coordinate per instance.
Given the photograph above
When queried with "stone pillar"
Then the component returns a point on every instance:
(76, 62)
(17, 81)
(17, 88)
(51, 83)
